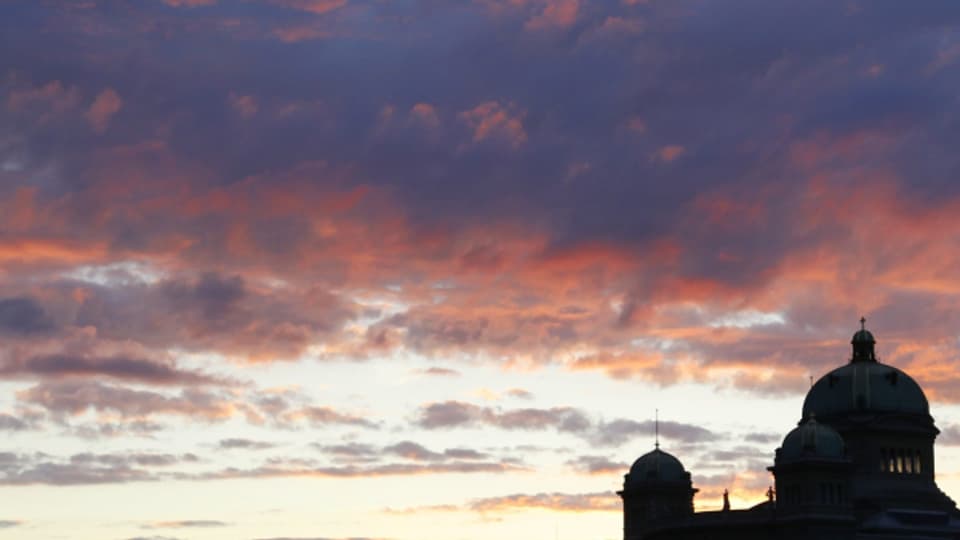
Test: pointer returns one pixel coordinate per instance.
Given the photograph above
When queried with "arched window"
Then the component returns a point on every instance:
(899, 460)
(916, 462)
(883, 459)
(908, 461)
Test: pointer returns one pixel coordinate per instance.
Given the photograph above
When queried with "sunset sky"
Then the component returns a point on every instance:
(425, 269)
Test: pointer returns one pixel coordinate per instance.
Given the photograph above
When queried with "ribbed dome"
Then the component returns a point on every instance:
(865, 387)
(811, 440)
(657, 466)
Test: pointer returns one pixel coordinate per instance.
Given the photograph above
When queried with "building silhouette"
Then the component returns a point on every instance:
(859, 465)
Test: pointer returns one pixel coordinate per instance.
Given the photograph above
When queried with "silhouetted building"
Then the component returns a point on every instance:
(859, 465)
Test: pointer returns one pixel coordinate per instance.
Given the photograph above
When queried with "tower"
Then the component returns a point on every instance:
(884, 419)
(657, 491)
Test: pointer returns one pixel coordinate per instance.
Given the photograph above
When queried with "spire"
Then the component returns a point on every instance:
(863, 343)
(656, 428)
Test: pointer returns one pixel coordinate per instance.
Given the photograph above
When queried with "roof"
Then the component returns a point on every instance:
(811, 440)
(865, 387)
(657, 466)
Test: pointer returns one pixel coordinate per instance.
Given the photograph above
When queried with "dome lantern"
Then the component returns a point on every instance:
(863, 344)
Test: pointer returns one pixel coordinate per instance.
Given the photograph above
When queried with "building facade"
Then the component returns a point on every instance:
(859, 465)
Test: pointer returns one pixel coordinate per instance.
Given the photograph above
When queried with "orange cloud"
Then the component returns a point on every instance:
(502, 291)
(62, 252)
(603, 501)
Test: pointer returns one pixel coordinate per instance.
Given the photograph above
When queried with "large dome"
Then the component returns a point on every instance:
(866, 387)
(657, 466)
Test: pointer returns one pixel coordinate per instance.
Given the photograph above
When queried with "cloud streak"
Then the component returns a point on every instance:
(458, 414)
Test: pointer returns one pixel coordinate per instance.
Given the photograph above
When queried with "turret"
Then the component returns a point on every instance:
(656, 491)
(812, 471)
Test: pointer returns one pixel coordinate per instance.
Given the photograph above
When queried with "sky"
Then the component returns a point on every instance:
(429, 269)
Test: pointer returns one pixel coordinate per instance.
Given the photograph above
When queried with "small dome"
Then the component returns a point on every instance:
(865, 387)
(657, 466)
(863, 343)
(862, 336)
(811, 440)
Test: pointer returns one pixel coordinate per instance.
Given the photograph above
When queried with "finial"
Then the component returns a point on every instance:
(656, 428)
(863, 323)
(726, 500)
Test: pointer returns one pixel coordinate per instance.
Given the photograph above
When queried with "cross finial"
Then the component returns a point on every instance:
(863, 323)
(656, 428)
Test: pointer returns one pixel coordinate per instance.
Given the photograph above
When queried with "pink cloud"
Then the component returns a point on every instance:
(491, 120)
(318, 7)
(189, 3)
(670, 152)
(102, 109)
(621, 25)
(294, 34)
(426, 115)
(555, 14)
(48, 99)
(636, 124)
(245, 105)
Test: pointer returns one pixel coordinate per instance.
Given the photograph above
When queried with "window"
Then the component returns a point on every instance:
(901, 460)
